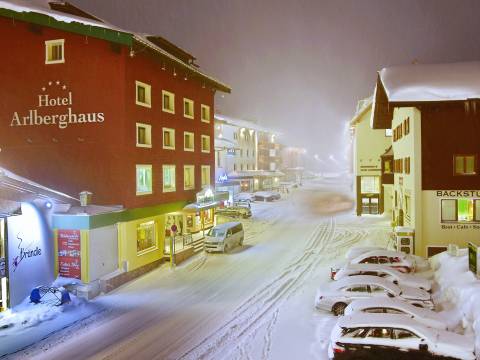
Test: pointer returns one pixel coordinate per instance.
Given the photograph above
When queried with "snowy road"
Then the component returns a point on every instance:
(253, 303)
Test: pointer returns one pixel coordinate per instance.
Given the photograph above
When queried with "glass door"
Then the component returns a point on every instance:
(3, 268)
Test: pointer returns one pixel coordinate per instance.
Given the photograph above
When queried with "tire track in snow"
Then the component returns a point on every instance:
(253, 313)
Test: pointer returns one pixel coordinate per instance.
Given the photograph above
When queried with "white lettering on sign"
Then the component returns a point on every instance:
(61, 120)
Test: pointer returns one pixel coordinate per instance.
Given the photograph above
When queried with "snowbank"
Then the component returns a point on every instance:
(458, 293)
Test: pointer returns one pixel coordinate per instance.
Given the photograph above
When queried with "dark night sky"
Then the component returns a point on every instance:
(301, 66)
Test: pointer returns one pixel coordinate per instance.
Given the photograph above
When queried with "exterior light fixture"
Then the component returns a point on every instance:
(131, 53)
(48, 205)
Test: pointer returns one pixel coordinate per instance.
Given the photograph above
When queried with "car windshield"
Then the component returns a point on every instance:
(216, 233)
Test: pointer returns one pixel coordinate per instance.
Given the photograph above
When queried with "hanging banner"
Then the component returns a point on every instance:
(69, 260)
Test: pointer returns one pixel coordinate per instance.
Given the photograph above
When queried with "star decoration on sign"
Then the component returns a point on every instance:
(44, 88)
(64, 87)
(57, 82)
(49, 83)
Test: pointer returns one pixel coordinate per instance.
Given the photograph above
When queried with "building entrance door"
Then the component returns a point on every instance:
(370, 205)
(3, 267)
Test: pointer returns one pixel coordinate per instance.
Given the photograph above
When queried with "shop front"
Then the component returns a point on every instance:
(370, 196)
(3, 267)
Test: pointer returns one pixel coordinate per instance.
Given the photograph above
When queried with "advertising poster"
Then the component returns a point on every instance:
(69, 261)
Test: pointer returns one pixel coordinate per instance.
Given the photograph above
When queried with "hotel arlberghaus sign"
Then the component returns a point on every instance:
(46, 102)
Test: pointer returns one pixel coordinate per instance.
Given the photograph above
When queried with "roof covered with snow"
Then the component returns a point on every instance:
(241, 123)
(432, 82)
(57, 14)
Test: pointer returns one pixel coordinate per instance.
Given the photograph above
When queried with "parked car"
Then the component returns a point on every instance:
(386, 305)
(224, 237)
(377, 336)
(386, 272)
(244, 196)
(266, 196)
(396, 259)
(338, 294)
(356, 251)
(235, 211)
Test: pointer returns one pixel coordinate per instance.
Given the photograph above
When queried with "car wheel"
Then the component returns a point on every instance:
(339, 308)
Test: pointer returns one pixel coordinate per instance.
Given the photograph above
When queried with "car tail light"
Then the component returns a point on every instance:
(338, 348)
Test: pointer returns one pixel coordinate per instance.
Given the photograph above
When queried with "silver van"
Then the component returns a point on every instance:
(224, 237)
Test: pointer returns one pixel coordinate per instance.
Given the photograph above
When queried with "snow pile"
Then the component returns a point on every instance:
(458, 292)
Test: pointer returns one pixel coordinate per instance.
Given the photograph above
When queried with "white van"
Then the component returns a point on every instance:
(224, 237)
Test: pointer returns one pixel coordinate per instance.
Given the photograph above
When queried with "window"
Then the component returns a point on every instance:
(465, 164)
(205, 143)
(358, 288)
(144, 135)
(272, 152)
(144, 179)
(403, 334)
(146, 239)
(143, 94)
(406, 123)
(168, 102)
(188, 108)
(370, 184)
(463, 210)
(354, 332)
(388, 132)
(188, 177)
(54, 53)
(407, 165)
(383, 333)
(205, 175)
(188, 141)
(168, 178)
(205, 113)
(370, 260)
(168, 139)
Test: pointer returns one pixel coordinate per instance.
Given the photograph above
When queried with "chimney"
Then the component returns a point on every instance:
(85, 198)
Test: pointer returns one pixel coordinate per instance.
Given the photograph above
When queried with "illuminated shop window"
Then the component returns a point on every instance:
(168, 139)
(205, 143)
(370, 184)
(144, 179)
(461, 210)
(168, 102)
(205, 113)
(146, 239)
(144, 135)
(168, 178)
(189, 177)
(188, 141)
(143, 93)
(465, 164)
(205, 175)
(188, 108)
(54, 51)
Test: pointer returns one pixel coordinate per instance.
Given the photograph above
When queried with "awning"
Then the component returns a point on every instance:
(197, 207)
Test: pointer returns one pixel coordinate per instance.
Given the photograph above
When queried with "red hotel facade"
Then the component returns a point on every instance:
(87, 106)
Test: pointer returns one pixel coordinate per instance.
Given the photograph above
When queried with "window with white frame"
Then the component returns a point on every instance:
(146, 237)
(189, 177)
(54, 51)
(188, 141)
(205, 143)
(168, 101)
(460, 210)
(205, 175)
(169, 139)
(144, 135)
(168, 178)
(143, 94)
(144, 179)
(188, 108)
(205, 113)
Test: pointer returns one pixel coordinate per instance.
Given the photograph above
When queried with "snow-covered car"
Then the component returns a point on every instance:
(377, 336)
(338, 294)
(386, 272)
(235, 211)
(244, 196)
(396, 259)
(224, 237)
(356, 251)
(386, 305)
(265, 196)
